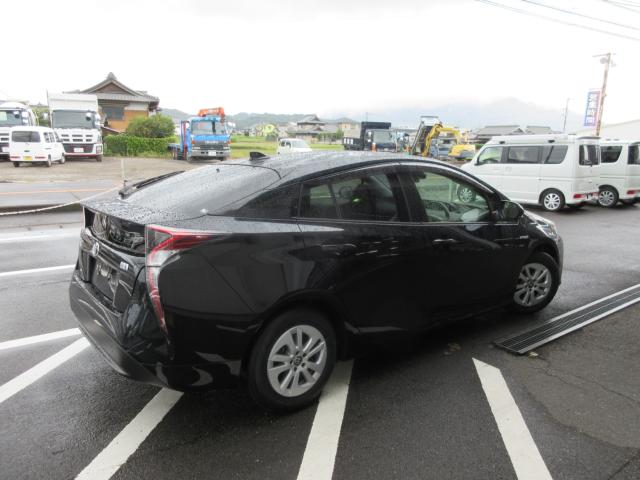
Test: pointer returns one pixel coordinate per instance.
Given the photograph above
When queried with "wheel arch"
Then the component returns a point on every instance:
(549, 250)
(606, 185)
(323, 302)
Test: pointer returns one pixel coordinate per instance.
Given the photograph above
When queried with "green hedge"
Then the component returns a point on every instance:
(126, 145)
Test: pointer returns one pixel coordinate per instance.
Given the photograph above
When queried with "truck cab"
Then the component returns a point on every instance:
(13, 114)
(76, 120)
(371, 136)
(204, 136)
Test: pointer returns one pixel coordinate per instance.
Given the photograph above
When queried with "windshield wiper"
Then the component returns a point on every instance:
(142, 183)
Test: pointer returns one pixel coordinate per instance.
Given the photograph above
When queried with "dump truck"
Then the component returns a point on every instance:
(13, 114)
(375, 136)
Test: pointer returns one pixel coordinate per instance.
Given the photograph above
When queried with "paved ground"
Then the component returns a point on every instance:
(416, 408)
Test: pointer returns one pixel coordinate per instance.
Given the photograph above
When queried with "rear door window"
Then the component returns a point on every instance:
(610, 153)
(554, 154)
(279, 203)
(529, 154)
(25, 136)
(589, 155)
(490, 155)
(365, 196)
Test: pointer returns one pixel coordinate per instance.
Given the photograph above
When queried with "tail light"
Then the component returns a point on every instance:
(632, 192)
(160, 244)
(373, 147)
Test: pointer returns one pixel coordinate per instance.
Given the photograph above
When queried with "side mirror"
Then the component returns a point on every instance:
(511, 211)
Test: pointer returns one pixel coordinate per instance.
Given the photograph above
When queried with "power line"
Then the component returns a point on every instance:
(623, 6)
(569, 12)
(557, 20)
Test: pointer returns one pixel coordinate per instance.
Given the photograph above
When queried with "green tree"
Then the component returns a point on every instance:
(40, 116)
(155, 126)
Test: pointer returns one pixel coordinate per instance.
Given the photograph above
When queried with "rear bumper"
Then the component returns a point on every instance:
(134, 346)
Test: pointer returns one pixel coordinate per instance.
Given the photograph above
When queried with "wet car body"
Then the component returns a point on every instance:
(214, 297)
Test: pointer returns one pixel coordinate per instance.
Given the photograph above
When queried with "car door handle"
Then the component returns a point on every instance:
(339, 249)
(444, 241)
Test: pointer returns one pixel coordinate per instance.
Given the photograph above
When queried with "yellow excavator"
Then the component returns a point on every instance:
(437, 141)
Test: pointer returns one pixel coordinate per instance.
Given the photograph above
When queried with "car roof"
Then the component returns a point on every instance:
(539, 139)
(305, 165)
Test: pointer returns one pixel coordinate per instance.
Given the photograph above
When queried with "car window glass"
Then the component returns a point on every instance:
(280, 203)
(610, 153)
(527, 154)
(447, 199)
(366, 197)
(634, 155)
(25, 136)
(554, 154)
(589, 155)
(490, 155)
(317, 202)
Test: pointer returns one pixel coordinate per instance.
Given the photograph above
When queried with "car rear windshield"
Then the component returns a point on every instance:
(589, 155)
(204, 190)
(25, 136)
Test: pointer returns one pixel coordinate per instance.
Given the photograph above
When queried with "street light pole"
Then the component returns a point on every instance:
(566, 112)
(606, 59)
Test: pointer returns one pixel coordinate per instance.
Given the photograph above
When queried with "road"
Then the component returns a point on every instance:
(415, 408)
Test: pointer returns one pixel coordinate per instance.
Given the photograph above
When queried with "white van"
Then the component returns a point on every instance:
(547, 170)
(35, 145)
(619, 172)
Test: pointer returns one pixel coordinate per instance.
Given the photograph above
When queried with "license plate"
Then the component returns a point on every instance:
(27, 158)
(78, 149)
(5, 149)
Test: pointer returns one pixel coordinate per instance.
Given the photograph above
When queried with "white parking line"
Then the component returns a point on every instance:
(36, 270)
(27, 378)
(522, 450)
(21, 342)
(129, 439)
(38, 236)
(322, 444)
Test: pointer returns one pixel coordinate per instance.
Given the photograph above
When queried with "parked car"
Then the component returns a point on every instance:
(619, 173)
(35, 145)
(265, 271)
(292, 145)
(548, 170)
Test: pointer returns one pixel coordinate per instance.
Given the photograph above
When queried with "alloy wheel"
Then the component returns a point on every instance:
(606, 198)
(552, 201)
(296, 360)
(534, 284)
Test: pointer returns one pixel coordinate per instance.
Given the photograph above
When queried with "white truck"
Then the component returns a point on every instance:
(13, 114)
(76, 120)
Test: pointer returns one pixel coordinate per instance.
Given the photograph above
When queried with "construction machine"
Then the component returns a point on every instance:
(438, 141)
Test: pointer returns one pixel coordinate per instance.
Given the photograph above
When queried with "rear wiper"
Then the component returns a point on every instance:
(142, 183)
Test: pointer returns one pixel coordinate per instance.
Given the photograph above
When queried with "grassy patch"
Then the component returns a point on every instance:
(241, 146)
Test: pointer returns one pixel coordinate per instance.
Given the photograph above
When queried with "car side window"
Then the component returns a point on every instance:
(554, 154)
(610, 153)
(279, 203)
(634, 155)
(529, 154)
(447, 199)
(490, 155)
(362, 196)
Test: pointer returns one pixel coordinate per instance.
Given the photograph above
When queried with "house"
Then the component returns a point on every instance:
(120, 104)
(312, 129)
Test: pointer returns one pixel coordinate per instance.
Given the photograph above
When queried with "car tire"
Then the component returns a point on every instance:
(48, 162)
(62, 159)
(278, 358)
(16, 164)
(552, 200)
(465, 194)
(540, 275)
(608, 197)
(99, 158)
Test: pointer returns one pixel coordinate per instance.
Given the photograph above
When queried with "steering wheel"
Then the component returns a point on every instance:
(437, 205)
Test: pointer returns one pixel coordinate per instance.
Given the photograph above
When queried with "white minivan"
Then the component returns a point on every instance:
(619, 172)
(548, 170)
(291, 145)
(35, 145)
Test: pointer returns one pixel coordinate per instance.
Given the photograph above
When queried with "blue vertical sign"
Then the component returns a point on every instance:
(593, 108)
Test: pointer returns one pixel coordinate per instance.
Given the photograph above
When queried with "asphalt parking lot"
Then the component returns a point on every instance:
(415, 408)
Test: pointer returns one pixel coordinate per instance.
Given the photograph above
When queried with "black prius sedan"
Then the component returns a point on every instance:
(266, 270)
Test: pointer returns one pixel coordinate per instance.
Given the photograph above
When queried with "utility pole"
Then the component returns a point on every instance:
(606, 60)
(566, 112)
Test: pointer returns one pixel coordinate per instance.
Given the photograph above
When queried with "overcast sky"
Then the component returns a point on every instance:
(331, 57)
